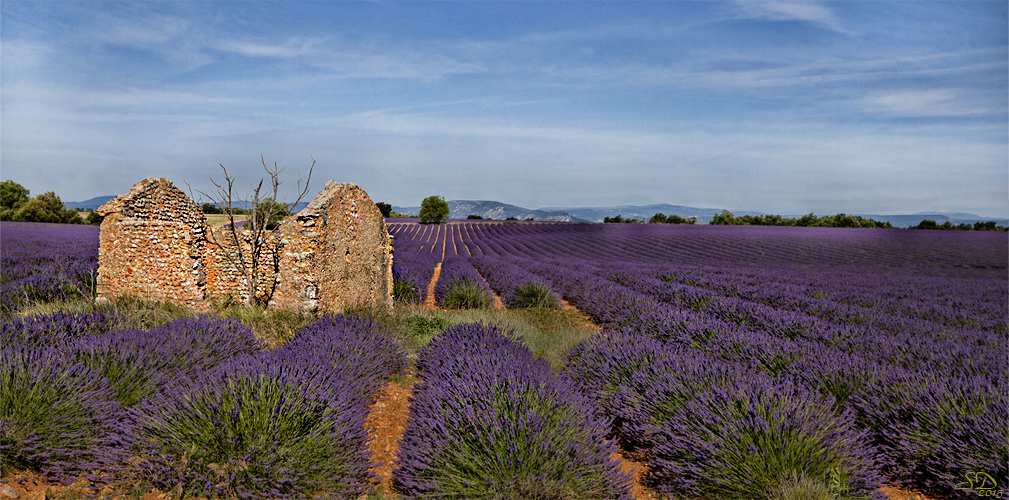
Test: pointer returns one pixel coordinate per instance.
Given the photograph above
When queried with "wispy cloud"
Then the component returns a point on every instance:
(788, 10)
(940, 102)
(616, 102)
(294, 47)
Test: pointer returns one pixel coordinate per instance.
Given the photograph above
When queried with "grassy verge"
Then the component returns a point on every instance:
(274, 327)
(548, 332)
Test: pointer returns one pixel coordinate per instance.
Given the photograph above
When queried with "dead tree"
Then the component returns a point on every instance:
(258, 238)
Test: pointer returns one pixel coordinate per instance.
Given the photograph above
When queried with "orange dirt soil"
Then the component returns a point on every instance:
(588, 321)
(386, 424)
(35, 487)
(498, 303)
(429, 301)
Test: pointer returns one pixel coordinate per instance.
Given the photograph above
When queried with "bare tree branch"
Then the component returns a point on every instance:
(256, 231)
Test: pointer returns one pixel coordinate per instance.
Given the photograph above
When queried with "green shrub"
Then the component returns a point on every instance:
(424, 328)
(534, 294)
(403, 290)
(798, 486)
(466, 295)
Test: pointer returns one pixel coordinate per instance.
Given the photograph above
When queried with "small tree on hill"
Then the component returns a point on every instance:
(433, 210)
(257, 232)
(385, 208)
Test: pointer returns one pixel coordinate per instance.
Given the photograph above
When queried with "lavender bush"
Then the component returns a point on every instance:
(289, 423)
(934, 429)
(58, 417)
(739, 437)
(491, 421)
(133, 366)
(356, 347)
(192, 345)
(516, 286)
(256, 428)
(460, 286)
(411, 274)
(59, 328)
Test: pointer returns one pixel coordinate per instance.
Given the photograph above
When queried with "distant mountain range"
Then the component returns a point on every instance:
(704, 215)
(645, 212)
(460, 209)
(96, 202)
(93, 203)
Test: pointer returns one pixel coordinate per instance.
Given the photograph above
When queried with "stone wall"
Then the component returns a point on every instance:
(337, 253)
(152, 245)
(225, 280)
(334, 254)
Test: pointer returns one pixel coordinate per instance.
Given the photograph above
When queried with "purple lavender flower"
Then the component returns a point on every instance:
(490, 420)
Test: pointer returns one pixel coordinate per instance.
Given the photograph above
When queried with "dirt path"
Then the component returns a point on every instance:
(386, 424)
(429, 301)
(637, 472)
(498, 303)
(588, 321)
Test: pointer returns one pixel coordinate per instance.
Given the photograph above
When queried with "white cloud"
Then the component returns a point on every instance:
(940, 102)
(22, 56)
(789, 10)
(293, 47)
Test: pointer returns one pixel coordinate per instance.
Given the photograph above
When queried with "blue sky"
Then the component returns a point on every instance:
(777, 106)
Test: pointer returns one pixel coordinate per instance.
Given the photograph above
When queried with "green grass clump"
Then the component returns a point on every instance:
(534, 294)
(548, 333)
(798, 486)
(465, 294)
(404, 291)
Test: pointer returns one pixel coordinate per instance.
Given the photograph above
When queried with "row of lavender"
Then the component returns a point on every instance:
(890, 251)
(45, 263)
(195, 406)
(691, 376)
(489, 420)
(53, 262)
(465, 283)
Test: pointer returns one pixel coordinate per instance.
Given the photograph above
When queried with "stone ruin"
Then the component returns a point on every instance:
(155, 244)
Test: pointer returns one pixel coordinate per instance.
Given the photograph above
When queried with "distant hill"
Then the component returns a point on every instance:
(704, 215)
(645, 212)
(93, 203)
(460, 209)
(96, 202)
(940, 217)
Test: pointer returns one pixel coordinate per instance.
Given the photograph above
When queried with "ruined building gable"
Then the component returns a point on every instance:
(155, 199)
(151, 245)
(334, 254)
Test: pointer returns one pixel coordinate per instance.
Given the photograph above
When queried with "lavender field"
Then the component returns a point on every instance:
(46, 263)
(735, 362)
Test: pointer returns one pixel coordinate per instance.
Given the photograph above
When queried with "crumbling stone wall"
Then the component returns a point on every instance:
(225, 280)
(152, 245)
(334, 254)
(337, 253)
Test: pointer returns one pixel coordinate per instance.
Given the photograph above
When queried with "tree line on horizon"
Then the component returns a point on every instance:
(949, 226)
(17, 206)
(726, 218)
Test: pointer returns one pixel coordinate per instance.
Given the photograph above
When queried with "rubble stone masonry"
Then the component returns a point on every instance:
(335, 254)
